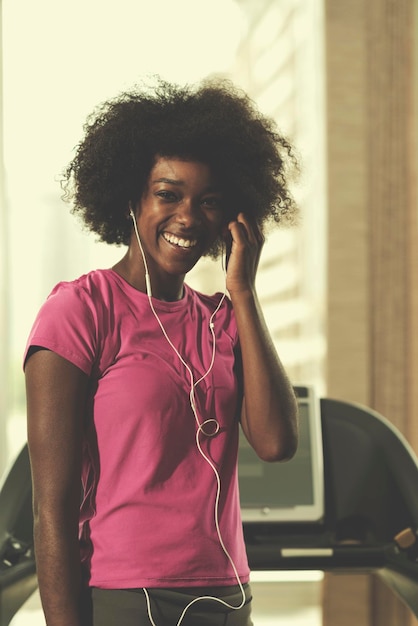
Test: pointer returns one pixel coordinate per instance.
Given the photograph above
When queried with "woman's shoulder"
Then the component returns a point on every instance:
(70, 322)
(94, 289)
(217, 307)
(210, 301)
(91, 282)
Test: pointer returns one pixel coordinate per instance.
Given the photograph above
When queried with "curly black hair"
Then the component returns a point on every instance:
(214, 122)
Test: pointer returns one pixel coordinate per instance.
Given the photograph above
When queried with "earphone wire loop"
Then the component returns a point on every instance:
(200, 429)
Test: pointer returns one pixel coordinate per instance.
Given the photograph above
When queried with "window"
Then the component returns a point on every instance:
(65, 61)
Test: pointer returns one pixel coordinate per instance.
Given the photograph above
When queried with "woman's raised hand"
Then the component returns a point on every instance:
(244, 242)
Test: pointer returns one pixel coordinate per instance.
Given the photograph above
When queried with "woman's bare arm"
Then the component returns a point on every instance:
(269, 416)
(56, 396)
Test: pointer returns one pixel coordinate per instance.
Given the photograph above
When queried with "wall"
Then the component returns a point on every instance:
(372, 242)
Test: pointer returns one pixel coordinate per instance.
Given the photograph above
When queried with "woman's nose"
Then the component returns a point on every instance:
(189, 213)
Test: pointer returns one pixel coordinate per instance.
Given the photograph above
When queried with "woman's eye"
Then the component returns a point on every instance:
(212, 202)
(169, 196)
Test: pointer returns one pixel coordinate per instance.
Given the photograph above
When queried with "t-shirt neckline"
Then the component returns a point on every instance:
(158, 304)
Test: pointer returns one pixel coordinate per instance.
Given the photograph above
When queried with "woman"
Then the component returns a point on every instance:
(136, 384)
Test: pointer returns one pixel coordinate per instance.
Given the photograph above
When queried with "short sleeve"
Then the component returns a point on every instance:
(66, 324)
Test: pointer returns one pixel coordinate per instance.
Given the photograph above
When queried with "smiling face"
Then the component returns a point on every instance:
(179, 216)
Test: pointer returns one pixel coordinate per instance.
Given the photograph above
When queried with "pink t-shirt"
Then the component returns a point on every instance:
(148, 518)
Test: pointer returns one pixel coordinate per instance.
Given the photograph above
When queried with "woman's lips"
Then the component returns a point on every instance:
(181, 242)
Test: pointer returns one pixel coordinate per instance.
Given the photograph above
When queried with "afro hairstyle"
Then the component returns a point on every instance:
(214, 122)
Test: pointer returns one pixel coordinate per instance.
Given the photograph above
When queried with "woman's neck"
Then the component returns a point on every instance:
(167, 288)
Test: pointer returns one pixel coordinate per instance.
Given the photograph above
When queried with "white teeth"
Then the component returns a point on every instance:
(177, 241)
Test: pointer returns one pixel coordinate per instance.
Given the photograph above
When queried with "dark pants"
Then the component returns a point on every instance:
(128, 607)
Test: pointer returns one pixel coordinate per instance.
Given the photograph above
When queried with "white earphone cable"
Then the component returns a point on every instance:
(200, 429)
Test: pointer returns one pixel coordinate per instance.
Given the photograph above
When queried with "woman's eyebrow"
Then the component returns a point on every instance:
(171, 181)
(179, 182)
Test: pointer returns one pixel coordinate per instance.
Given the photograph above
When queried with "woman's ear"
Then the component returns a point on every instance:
(225, 232)
(227, 241)
(132, 210)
